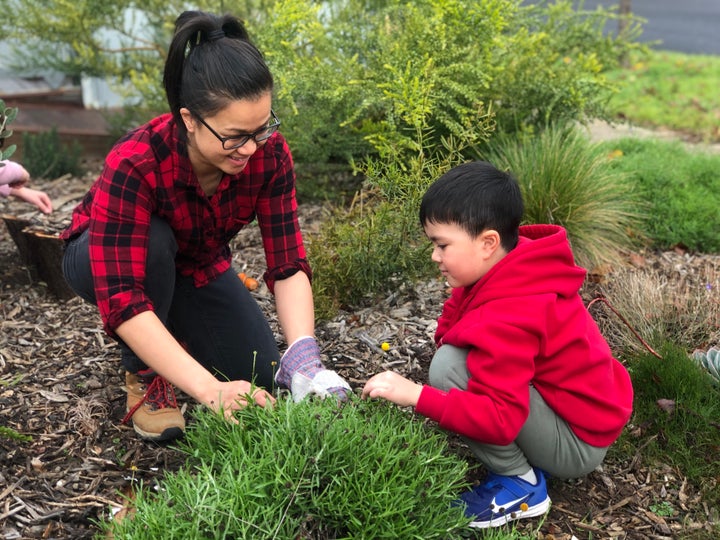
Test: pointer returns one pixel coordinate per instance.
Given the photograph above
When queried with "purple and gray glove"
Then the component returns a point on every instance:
(302, 371)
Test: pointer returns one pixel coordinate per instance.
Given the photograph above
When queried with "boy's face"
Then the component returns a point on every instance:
(462, 258)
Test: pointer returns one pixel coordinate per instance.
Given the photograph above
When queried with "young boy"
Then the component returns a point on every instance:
(521, 371)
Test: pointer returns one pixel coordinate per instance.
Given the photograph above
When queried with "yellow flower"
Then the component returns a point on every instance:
(385, 346)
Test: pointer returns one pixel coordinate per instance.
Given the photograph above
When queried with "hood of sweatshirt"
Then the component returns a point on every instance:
(541, 263)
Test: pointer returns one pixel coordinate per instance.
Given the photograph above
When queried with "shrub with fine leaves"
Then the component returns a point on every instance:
(316, 469)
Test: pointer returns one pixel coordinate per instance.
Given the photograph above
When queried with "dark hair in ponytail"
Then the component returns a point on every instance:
(211, 62)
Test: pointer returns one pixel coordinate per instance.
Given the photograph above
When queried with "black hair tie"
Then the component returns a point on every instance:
(216, 34)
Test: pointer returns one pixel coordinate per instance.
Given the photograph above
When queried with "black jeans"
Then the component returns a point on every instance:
(220, 324)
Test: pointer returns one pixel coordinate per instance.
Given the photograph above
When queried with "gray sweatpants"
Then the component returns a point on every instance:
(545, 440)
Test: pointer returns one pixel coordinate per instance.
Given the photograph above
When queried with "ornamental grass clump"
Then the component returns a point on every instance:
(567, 180)
(315, 469)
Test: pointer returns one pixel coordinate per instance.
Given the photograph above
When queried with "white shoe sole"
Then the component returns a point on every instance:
(534, 511)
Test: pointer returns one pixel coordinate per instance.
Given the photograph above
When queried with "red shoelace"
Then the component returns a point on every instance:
(159, 395)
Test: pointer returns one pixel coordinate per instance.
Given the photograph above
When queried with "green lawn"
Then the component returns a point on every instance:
(671, 90)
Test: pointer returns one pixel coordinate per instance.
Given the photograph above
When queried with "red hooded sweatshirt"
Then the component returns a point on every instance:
(524, 323)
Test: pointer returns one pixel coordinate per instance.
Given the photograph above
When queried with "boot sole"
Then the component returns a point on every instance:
(168, 434)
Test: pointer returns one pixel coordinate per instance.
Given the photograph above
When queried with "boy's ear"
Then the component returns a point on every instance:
(490, 241)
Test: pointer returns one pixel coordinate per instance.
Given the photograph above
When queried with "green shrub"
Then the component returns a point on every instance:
(335, 63)
(7, 116)
(309, 470)
(363, 252)
(370, 248)
(551, 64)
(423, 103)
(45, 156)
(681, 187)
(567, 180)
(377, 244)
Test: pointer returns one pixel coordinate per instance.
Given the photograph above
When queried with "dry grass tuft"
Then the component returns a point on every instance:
(680, 307)
(86, 416)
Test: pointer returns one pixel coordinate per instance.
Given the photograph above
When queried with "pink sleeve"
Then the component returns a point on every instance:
(10, 173)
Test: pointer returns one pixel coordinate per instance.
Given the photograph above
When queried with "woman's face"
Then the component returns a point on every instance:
(240, 118)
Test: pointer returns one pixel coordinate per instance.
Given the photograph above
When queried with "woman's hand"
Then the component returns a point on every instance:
(234, 395)
(393, 387)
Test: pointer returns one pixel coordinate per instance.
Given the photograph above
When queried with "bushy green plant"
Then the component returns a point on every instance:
(362, 253)
(46, 156)
(551, 65)
(567, 180)
(370, 248)
(423, 110)
(315, 469)
(7, 115)
(336, 62)
(681, 188)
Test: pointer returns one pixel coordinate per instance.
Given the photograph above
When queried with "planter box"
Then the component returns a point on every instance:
(41, 251)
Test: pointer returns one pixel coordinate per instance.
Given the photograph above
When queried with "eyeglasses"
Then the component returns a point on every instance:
(262, 134)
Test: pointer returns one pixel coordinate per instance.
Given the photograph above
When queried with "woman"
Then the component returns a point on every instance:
(149, 243)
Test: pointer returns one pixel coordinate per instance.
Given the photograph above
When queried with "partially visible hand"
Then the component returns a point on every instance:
(233, 395)
(325, 383)
(35, 197)
(303, 372)
(393, 387)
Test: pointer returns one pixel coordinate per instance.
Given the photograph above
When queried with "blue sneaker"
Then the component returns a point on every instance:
(501, 499)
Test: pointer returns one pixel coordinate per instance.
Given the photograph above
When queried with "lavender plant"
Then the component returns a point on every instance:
(315, 469)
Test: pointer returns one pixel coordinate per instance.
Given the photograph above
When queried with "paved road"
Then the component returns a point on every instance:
(689, 26)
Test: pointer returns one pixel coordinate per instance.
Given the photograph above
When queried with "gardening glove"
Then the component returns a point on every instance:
(302, 371)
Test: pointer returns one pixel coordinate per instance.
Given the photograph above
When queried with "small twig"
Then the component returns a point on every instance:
(588, 527)
(604, 301)
(615, 506)
(11, 512)
(9, 489)
(92, 500)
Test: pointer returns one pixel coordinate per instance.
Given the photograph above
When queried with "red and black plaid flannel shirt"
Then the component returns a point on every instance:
(148, 172)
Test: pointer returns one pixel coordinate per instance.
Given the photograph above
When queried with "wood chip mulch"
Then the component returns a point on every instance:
(72, 461)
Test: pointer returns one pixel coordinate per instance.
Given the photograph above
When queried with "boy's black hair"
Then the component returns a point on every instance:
(211, 62)
(476, 196)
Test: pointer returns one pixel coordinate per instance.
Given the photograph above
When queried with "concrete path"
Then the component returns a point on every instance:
(602, 131)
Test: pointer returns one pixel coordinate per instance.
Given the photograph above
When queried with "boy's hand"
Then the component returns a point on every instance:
(393, 387)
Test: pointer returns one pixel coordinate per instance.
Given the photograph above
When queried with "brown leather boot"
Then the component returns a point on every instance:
(152, 406)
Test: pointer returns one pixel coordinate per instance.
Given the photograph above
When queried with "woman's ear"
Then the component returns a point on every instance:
(188, 119)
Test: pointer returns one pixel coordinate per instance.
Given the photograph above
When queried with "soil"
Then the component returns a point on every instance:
(61, 394)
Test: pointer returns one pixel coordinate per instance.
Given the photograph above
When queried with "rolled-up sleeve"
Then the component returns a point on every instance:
(119, 232)
(278, 219)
